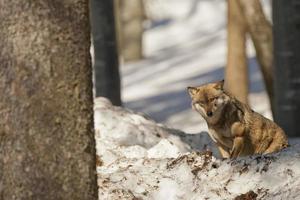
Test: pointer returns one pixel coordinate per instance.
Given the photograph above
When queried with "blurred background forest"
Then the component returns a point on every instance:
(165, 46)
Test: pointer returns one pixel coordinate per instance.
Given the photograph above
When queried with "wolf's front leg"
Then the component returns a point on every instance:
(238, 131)
(238, 146)
(224, 151)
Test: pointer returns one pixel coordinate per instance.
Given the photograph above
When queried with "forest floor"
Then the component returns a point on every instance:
(184, 45)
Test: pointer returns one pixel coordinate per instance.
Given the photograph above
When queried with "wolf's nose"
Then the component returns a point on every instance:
(209, 113)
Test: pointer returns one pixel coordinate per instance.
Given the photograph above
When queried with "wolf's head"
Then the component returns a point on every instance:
(209, 100)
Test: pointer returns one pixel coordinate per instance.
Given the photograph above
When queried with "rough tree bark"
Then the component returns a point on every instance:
(260, 31)
(106, 64)
(131, 16)
(236, 72)
(47, 147)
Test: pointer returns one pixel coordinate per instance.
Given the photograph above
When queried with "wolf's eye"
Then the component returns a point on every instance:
(213, 99)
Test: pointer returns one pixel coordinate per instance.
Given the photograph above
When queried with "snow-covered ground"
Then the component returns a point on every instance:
(185, 45)
(139, 159)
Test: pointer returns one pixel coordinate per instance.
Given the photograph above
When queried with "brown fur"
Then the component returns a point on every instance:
(235, 128)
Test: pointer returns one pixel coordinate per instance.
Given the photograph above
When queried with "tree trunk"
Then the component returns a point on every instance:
(260, 31)
(286, 18)
(118, 28)
(106, 64)
(131, 18)
(47, 147)
(236, 73)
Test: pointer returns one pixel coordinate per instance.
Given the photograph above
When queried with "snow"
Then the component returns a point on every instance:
(136, 135)
(152, 161)
(164, 149)
(185, 45)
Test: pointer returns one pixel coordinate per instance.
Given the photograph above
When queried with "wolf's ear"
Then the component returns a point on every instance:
(219, 85)
(192, 90)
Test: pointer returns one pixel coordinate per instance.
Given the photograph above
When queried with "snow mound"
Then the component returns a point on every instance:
(139, 159)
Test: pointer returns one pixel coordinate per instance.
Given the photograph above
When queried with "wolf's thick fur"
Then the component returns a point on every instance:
(233, 126)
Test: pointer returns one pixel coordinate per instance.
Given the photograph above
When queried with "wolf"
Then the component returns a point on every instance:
(235, 128)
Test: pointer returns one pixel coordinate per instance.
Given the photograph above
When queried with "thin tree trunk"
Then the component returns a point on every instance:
(131, 18)
(47, 147)
(286, 30)
(260, 31)
(106, 64)
(117, 13)
(236, 72)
